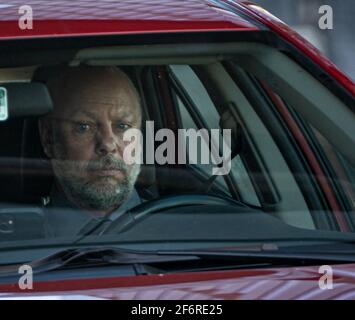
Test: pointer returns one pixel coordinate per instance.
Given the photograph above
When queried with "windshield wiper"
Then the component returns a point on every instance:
(79, 257)
(149, 262)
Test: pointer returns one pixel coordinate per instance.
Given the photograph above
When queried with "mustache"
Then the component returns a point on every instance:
(108, 162)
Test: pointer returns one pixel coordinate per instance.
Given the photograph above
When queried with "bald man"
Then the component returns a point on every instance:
(83, 137)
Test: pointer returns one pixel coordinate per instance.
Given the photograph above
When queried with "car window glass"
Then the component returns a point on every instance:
(188, 79)
(334, 169)
(198, 94)
(188, 123)
(344, 171)
(266, 160)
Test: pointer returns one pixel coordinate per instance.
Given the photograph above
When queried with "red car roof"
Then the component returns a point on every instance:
(60, 18)
(84, 17)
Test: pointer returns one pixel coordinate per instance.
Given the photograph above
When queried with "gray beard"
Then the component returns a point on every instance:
(91, 196)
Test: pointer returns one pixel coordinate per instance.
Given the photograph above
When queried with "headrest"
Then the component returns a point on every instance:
(20, 99)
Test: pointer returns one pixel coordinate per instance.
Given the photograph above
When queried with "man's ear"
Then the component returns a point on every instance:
(46, 136)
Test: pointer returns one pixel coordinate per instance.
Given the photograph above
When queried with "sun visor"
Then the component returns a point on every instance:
(21, 99)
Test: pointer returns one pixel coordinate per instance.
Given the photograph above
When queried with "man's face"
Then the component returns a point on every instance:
(87, 143)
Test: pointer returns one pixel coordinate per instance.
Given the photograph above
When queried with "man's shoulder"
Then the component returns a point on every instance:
(62, 219)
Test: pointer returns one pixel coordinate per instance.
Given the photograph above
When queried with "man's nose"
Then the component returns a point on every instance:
(106, 141)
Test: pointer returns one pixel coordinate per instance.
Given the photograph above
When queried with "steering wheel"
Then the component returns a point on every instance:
(141, 211)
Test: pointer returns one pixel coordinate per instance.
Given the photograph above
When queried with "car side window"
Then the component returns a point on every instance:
(344, 172)
(203, 106)
(329, 168)
(339, 171)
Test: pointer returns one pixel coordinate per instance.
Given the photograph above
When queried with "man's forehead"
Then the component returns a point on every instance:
(97, 100)
(104, 91)
(97, 109)
(119, 98)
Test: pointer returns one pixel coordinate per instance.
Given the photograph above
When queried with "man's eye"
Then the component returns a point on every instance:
(122, 126)
(82, 127)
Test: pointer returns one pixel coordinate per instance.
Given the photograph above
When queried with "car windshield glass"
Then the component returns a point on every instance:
(241, 146)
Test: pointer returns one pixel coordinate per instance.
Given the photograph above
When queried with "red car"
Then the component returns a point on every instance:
(278, 223)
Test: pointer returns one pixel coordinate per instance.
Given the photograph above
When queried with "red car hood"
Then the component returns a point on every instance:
(277, 283)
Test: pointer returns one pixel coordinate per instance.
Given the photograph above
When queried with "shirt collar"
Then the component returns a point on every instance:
(59, 200)
(68, 220)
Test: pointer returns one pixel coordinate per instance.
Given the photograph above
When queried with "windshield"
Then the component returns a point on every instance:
(174, 155)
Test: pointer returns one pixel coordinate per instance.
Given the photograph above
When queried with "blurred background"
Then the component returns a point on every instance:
(302, 15)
